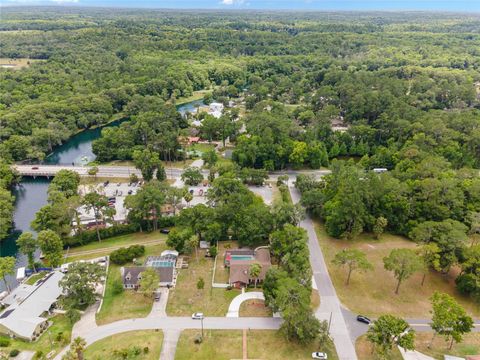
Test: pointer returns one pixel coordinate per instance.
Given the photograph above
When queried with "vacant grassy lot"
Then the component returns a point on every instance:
(254, 308)
(364, 351)
(105, 348)
(128, 303)
(186, 299)
(372, 293)
(261, 344)
(105, 247)
(57, 337)
(469, 346)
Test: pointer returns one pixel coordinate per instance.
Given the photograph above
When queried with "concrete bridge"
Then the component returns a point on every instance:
(52, 170)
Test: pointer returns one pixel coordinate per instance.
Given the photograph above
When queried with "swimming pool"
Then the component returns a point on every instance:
(242, 257)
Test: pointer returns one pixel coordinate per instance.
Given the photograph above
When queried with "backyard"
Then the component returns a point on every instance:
(261, 344)
(140, 345)
(186, 299)
(372, 293)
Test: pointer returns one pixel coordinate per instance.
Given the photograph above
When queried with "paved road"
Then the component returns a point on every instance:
(170, 340)
(126, 171)
(330, 307)
(96, 333)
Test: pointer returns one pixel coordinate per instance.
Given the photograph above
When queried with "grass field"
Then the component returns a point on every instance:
(255, 308)
(186, 299)
(54, 339)
(197, 95)
(261, 344)
(35, 277)
(469, 346)
(16, 63)
(372, 293)
(127, 304)
(105, 348)
(106, 246)
(364, 351)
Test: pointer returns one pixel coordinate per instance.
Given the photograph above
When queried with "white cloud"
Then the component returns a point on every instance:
(232, 2)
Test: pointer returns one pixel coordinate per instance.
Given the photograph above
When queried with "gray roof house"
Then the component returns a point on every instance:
(132, 275)
(25, 316)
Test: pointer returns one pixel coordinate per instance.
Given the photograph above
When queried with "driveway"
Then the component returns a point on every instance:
(330, 308)
(234, 308)
(159, 307)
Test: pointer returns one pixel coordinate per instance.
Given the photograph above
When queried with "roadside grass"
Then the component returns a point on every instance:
(197, 95)
(104, 247)
(180, 164)
(129, 303)
(261, 344)
(186, 299)
(35, 277)
(372, 293)
(54, 339)
(254, 308)
(364, 351)
(148, 339)
(91, 180)
(469, 346)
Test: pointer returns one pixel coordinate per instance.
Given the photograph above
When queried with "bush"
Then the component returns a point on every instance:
(200, 284)
(38, 354)
(73, 315)
(125, 255)
(146, 350)
(4, 342)
(213, 251)
(117, 287)
(14, 352)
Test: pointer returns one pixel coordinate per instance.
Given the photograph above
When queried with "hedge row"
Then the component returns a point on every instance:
(125, 255)
(88, 236)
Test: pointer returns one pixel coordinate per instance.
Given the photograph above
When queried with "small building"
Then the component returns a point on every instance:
(240, 262)
(29, 306)
(163, 264)
(132, 275)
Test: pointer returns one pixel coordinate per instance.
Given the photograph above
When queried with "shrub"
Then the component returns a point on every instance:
(146, 350)
(200, 283)
(117, 287)
(4, 342)
(14, 352)
(73, 315)
(125, 255)
(38, 354)
(213, 251)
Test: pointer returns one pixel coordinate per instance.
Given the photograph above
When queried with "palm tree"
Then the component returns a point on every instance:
(255, 270)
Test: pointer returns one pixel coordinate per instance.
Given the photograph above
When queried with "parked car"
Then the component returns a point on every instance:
(165, 231)
(106, 183)
(364, 319)
(197, 316)
(157, 296)
(34, 167)
(319, 355)
(130, 192)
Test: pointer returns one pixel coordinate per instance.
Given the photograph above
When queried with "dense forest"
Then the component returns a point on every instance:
(403, 87)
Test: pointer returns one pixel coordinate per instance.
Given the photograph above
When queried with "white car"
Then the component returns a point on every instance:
(197, 316)
(319, 355)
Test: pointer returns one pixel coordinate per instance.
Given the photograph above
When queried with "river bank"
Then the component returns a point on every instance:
(31, 194)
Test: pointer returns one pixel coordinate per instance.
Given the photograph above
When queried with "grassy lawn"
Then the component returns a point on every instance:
(128, 304)
(35, 277)
(221, 272)
(105, 348)
(372, 293)
(186, 299)
(261, 344)
(104, 247)
(469, 346)
(55, 338)
(255, 308)
(197, 95)
(314, 300)
(201, 147)
(364, 350)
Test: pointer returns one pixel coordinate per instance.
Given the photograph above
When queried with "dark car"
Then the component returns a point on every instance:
(165, 231)
(34, 167)
(364, 319)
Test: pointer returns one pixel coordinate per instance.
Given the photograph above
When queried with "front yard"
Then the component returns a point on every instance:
(254, 308)
(186, 299)
(128, 303)
(138, 345)
(372, 293)
(261, 344)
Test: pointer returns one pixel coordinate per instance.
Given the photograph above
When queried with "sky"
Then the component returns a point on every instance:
(438, 5)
